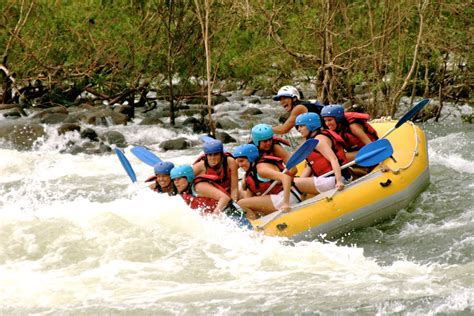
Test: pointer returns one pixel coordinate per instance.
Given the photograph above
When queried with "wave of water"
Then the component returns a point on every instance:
(77, 238)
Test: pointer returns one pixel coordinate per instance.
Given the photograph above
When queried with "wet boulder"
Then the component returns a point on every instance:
(12, 111)
(90, 134)
(175, 144)
(114, 138)
(252, 111)
(106, 117)
(21, 134)
(152, 119)
(59, 111)
(53, 118)
(227, 123)
(68, 127)
(225, 138)
(12, 114)
(126, 109)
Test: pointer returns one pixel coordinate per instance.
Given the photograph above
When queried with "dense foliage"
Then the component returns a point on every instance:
(120, 49)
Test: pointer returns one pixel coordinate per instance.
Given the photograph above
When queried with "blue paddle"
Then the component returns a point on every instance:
(369, 155)
(408, 115)
(298, 156)
(126, 165)
(206, 138)
(145, 155)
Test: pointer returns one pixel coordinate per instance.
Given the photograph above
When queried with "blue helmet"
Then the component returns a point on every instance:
(213, 147)
(183, 171)
(310, 119)
(249, 151)
(163, 167)
(335, 110)
(261, 132)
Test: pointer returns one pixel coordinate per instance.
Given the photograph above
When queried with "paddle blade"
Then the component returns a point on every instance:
(410, 114)
(206, 138)
(126, 165)
(374, 153)
(301, 153)
(145, 155)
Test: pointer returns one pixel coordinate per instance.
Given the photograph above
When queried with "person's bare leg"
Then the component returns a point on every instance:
(206, 189)
(306, 185)
(258, 204)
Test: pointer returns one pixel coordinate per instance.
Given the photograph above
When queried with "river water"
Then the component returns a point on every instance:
(77, 238)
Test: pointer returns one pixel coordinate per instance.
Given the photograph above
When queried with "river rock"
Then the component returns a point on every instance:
(248, 92)
(21, 134)
(68, 127)
(227, 123)
(126, 109)
(252, 111)
(152, 118)
(12, 114)
(264, 93)
(89, 133)
(53, 118)
(175, 144)
(53, 110)
(12, 110)
(225, 138)
(197, 125)
(103, 116)
(114, 138)
(254, 100)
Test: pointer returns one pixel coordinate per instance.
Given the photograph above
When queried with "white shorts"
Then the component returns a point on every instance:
(324, 184)
(277, 199)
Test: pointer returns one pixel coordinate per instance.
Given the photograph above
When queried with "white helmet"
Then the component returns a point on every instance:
(287, 91)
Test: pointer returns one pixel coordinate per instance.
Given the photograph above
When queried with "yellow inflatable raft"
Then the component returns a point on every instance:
(363, 202)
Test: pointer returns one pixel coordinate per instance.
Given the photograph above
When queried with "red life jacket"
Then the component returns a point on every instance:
(214, 180)
(207, 205)
(354, 143)
(257, 186)
(318, 163)
(220, 179)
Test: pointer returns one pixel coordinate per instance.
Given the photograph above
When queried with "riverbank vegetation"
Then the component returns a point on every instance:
(123, 50)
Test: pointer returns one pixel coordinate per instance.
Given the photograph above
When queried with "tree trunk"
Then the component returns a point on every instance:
(204, 21)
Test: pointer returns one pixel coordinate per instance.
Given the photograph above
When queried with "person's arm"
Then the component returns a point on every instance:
(324, 147)
(234, 179)
(358, 131)
(290, 121)
(198, 167)
(272, 172)
(283, 154)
